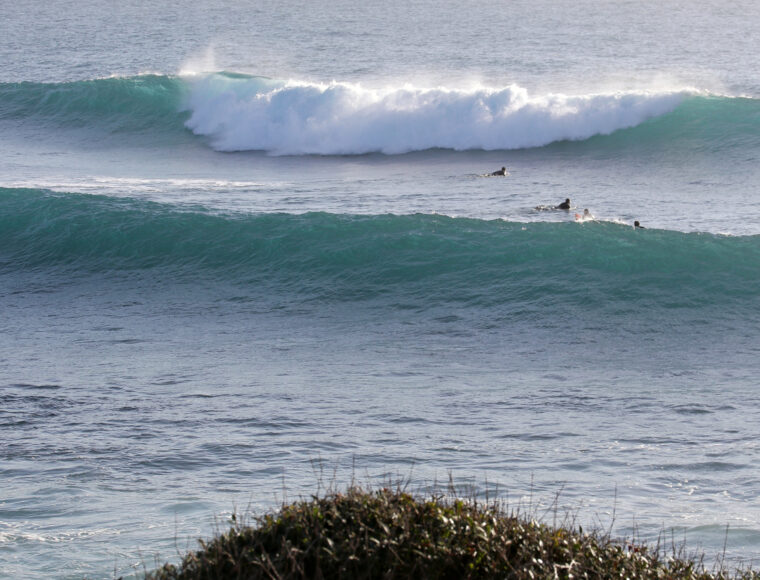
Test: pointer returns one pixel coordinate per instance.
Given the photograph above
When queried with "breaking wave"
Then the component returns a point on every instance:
(234, 112)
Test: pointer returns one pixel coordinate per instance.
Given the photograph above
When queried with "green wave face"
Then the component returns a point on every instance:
(410, 259)
(115, 104)
(700, 124)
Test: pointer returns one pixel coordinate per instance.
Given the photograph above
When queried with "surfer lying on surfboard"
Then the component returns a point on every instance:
(564, 205)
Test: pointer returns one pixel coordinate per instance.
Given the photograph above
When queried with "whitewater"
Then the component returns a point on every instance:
(250, 251)
(345, 119)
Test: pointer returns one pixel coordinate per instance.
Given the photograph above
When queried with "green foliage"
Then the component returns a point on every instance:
(388, 534)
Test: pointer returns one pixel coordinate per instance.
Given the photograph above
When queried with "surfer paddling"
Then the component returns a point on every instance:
(502, 171)
(564, 205)
(638, 226)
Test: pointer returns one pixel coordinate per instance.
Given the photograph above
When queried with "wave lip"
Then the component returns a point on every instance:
(292, 118)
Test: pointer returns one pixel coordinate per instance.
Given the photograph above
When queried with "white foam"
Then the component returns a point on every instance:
(291, 117)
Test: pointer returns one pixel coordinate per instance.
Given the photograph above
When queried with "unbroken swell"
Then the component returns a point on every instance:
(416, 258)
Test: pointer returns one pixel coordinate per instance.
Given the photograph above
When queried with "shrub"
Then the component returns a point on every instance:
(388, 534)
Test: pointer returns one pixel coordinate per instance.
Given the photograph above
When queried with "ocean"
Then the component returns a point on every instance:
(253, 250)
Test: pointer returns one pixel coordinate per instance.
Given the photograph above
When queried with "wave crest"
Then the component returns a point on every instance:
(243, 112)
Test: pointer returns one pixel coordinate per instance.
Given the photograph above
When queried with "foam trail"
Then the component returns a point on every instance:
(251, 113)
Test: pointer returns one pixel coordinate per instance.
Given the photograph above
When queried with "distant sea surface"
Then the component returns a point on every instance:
(249, 249)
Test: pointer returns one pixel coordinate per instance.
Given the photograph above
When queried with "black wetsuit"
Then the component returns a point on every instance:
(564, 205)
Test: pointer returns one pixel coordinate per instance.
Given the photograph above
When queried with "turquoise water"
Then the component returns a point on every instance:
(340, 258)
(249, 250)
(248, 113)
